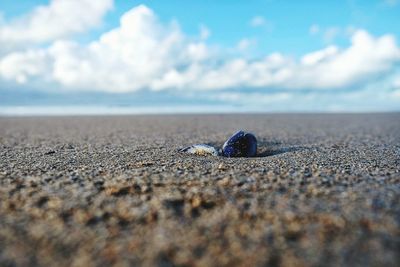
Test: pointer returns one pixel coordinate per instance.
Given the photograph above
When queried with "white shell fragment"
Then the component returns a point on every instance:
(200, 150)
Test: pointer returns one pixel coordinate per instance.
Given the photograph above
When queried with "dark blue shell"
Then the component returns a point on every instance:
(241, 144)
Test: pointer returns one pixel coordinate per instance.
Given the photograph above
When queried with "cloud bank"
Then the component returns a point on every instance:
(61, 18)
(143, 53)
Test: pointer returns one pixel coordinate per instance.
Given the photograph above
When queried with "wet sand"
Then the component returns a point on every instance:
(98, 191)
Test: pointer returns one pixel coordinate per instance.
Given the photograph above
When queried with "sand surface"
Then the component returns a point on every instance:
(100, 191)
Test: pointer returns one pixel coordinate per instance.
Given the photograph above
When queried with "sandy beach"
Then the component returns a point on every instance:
(324, 190)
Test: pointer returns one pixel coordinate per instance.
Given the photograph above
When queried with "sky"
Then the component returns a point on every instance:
(126, 56)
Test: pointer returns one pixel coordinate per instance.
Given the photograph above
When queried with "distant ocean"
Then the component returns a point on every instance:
(111, 110)
(19, 102)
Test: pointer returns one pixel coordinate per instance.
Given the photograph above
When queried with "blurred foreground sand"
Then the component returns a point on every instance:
(99, 191)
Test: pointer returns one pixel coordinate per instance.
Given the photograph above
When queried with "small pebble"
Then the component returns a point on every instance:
(241, 144)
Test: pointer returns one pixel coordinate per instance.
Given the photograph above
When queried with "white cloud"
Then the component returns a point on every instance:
(20, 67)
(396, 94)
(130, 57)
(330, 34)
(59, 19)
(329, 68)
(258, 21)
(314, 29)
(396, 82)
(367, 56)
(245, 44)
(143, 53)
(204, 32)
(127, 58)
(318, 56)
(391, 3)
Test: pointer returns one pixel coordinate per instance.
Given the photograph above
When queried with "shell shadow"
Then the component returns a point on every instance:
(272, 152)
(267, 149)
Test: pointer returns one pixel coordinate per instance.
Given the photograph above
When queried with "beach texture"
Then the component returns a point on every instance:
(113, 191)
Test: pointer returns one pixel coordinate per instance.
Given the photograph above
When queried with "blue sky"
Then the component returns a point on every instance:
(254, 55)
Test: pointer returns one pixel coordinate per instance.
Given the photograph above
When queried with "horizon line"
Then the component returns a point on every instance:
(81, 110)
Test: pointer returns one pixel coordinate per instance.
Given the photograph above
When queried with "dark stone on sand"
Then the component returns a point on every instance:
(241, 144)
